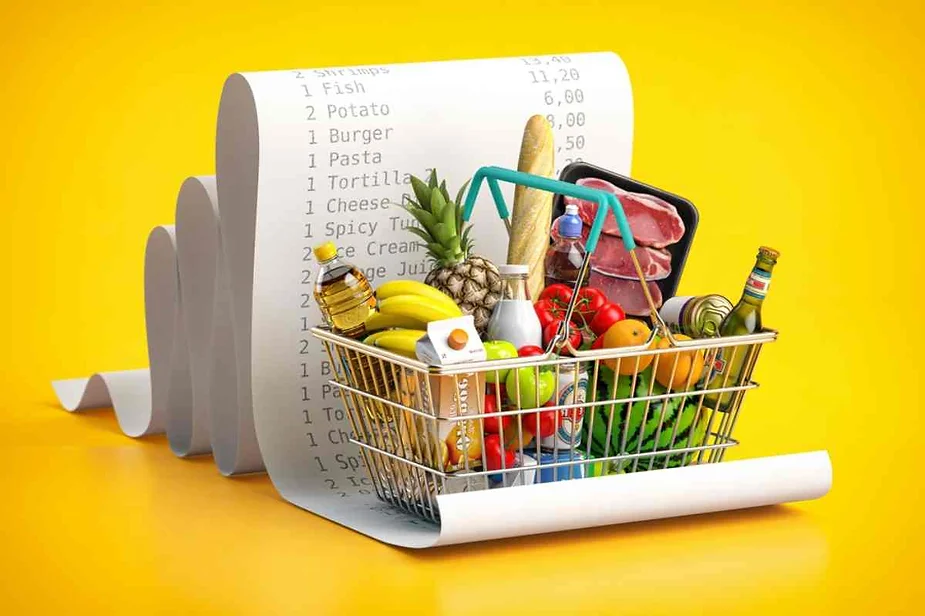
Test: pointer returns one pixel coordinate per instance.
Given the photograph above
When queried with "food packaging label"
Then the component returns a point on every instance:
(569, 391)
(671, 311)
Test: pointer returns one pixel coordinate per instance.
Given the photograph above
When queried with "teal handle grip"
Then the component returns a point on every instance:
(605, 200)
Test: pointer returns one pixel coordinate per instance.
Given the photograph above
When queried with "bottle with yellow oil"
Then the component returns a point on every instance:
(344, 295)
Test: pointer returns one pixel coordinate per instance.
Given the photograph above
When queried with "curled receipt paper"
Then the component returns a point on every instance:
(304, 156)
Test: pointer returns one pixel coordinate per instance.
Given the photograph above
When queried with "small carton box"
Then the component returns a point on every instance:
(443, 444)
(451, 341)
(454, 397)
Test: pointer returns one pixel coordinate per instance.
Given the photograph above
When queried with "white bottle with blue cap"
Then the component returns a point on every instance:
(564, 258)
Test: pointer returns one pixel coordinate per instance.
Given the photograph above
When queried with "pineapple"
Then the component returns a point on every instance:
(472, 281)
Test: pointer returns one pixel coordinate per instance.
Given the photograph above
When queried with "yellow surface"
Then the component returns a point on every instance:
(799, 127)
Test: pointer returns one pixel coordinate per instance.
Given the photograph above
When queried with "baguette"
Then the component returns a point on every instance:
(532, 213)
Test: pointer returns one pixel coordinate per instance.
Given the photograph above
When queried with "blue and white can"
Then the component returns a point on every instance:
(568, 431)
(548, 474)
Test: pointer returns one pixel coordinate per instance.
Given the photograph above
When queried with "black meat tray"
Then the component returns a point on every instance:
(686, 210)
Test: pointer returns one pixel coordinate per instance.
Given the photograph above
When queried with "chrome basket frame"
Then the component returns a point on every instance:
(395, 418)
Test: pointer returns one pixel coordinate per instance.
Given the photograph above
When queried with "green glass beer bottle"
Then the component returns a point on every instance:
(744, 319)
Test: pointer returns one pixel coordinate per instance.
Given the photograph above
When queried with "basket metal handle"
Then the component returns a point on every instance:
(605, 201)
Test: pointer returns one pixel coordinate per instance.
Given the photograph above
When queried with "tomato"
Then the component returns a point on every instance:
(547, 311)
(494, 453)
(543, 312)
(574, 334)
(491, 387)
(542, 423)
(531, 350)
(598, 343)
(590, 301)
(606, 316)
(559, 294)
(494, 425)
(554, 300)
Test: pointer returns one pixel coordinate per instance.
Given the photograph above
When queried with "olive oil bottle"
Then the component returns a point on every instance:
(744, 319)
(344, 295)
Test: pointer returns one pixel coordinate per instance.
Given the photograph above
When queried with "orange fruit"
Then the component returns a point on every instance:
(629, 332)
(516, 439)
(445, 455)
(464, 441)
(680, 369)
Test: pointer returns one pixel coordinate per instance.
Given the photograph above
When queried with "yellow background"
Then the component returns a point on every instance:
(796, 126)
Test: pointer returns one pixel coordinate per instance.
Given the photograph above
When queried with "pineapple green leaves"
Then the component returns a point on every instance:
(437, 204)
(441, 220)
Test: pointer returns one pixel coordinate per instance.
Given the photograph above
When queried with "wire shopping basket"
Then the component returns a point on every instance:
(661, 404)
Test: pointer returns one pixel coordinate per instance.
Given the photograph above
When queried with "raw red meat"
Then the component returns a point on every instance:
(654, 222)
(612, 258)
(627, 293)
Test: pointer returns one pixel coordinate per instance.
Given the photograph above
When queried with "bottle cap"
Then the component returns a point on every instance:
(458, 339)
(570, 223)
(513, 269)
(769, 253)
(326, 251)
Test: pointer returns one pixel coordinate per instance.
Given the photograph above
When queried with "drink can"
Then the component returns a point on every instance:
(548, 474)
(568, 428)
(695, 316)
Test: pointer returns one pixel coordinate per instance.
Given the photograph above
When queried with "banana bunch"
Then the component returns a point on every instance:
(401, 341)
(405, 308)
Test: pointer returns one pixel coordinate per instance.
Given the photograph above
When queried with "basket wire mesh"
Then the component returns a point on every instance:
(421, 429)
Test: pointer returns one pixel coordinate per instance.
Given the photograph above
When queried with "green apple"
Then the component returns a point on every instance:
(498, 349)
(526, 378)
